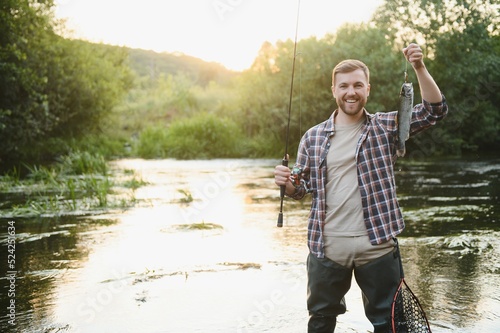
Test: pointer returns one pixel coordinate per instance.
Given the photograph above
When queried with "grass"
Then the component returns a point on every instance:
(78, 183)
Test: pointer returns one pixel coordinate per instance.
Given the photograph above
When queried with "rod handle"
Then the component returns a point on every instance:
(280, 220)
(284, 162)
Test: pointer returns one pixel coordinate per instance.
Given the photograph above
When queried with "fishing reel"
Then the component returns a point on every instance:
(296, 178)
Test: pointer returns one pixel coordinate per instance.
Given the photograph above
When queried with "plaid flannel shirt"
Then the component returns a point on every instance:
(375, 158)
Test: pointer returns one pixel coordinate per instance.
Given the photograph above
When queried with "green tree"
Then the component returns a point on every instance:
(84, 83)
(51, 89)
(459, 38)
(262, 101)
(23, 105)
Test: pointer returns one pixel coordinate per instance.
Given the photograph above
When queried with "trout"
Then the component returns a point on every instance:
(404, 117)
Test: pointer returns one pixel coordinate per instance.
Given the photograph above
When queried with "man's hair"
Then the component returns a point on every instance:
(350, 65)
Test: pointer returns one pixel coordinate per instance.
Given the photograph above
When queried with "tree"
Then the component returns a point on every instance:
(52, 89)
(23, 105)
(459, 38)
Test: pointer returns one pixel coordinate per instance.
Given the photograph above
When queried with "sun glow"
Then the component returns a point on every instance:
(229, 32)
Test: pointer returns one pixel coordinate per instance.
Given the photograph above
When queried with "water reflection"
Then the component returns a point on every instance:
(139, 271)
(46, 250)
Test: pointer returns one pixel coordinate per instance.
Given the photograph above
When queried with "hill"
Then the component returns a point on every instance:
(153, 64)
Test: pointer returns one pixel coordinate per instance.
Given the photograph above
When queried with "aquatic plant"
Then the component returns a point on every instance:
(188, 197)
(242, 265)
(41, 174)
(199, 226)
(135, 182)
(11, 178)
(83, 162)
(78, 184)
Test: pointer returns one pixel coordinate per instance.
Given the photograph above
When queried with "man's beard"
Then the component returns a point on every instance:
(352, 109)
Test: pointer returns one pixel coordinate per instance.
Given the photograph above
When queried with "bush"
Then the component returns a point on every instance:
(202, 136)
(268, 145)
(151, 143)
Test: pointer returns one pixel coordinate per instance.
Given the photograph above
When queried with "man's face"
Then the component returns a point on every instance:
(351, 91)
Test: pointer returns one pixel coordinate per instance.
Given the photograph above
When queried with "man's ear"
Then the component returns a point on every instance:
(333, 91)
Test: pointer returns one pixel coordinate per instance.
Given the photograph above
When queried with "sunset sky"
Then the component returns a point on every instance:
(229, 32)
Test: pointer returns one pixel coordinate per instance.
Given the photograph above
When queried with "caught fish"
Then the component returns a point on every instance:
(404, 117)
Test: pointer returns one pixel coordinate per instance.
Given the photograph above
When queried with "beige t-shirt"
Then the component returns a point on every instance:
(344, 212)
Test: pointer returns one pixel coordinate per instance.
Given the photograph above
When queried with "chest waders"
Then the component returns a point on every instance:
(328, 282)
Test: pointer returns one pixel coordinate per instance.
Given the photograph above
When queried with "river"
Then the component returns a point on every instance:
(145, 270)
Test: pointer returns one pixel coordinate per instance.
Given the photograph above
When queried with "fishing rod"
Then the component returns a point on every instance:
(285, 158)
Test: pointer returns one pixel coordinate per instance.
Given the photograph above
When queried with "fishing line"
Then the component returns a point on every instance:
(406, 69)
(284, 162)
(300, 94)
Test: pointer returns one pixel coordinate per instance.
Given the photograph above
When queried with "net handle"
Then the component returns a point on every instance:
(397, 253)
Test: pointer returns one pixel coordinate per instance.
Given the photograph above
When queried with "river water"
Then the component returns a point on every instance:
(144, 269)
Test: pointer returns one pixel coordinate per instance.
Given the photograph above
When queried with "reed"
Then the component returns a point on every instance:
(78, 183)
